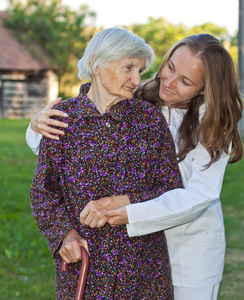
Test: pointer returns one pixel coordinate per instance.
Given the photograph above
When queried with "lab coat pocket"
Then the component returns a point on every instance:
(202, 259)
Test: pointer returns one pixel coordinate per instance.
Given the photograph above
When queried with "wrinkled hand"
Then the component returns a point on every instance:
(70, 250)
(40, 122)
(93, 214)
(117, 217)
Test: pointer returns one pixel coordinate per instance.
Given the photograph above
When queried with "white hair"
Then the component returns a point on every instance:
(112, 44)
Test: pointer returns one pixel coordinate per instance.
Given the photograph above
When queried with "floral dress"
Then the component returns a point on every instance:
(126, 150)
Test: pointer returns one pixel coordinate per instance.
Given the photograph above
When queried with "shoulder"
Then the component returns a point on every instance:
(69, 105)
(145, 115)
(145, 110)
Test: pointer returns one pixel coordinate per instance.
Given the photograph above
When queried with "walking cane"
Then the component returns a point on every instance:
(83, 273)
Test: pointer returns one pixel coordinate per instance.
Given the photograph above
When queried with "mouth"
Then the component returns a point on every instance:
(131, 89)
(166, 91)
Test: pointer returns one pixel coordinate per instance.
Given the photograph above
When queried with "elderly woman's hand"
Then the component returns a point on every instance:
(93, 214)
(70, 249)
(40, 122)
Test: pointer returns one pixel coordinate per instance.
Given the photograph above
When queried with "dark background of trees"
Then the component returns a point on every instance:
(64, 34)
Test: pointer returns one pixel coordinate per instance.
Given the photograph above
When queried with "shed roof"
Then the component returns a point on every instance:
(14, 56)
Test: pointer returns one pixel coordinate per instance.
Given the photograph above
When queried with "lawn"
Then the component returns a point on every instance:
(26, 267)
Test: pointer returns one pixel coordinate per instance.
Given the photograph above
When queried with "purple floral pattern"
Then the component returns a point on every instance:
(125, 150)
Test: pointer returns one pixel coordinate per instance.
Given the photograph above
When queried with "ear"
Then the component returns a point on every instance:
(94, 71)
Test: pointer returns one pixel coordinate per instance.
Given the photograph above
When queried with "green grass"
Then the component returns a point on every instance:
(232, 198)
(26, 266)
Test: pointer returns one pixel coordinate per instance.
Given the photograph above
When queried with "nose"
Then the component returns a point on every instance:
(136, 79)
(170, 81)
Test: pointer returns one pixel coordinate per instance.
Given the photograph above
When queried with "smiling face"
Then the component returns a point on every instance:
(181, 78)
(119, 79)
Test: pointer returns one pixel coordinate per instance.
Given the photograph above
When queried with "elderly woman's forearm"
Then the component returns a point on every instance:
(47, 202)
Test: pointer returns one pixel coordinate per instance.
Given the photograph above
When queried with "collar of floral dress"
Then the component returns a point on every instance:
(88, 108)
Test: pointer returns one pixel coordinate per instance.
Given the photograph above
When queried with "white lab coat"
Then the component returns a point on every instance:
(191, 217)
(33, 139)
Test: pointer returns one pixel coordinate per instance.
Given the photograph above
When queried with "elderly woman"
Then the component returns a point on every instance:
(113, 145)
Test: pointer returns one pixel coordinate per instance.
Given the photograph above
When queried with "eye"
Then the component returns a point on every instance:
(170, 66)
(128, 68)
(185, 83)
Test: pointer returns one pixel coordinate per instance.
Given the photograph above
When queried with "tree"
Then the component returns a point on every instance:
(219, 32)
(63, 33)
(161, 35)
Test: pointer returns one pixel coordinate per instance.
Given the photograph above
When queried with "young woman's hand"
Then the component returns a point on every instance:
(41, 121)
(70, 250)
(116, 217)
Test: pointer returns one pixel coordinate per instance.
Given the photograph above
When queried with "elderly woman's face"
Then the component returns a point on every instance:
(120, 78)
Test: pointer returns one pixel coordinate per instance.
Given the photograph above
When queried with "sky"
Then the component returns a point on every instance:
(111, 13)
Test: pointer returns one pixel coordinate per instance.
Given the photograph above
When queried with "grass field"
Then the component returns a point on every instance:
(26, 267)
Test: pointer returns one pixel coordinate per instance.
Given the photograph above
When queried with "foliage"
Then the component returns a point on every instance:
(233, 50)
(234, 47)
(63, 33)
(161, 35)
(27, 269)
(234, 40)
(218, 32)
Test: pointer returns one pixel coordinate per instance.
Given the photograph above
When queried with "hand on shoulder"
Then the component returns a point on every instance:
(41, 122)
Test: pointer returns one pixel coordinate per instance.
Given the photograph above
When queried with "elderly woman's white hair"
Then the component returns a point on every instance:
(112, 44)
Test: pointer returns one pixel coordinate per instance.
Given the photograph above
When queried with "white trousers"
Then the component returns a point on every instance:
(191, 293)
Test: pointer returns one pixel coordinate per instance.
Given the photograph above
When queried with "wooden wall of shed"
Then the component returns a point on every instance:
(22, 98)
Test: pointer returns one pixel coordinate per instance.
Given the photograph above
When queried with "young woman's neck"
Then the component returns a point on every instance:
(180, 105)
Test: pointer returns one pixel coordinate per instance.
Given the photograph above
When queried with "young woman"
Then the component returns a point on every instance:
(197, 87)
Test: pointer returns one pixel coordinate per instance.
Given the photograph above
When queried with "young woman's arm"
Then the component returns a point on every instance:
(33, 139)
(180, 206)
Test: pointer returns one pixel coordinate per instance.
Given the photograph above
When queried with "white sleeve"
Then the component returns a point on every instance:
(180, 206)
(33, 139)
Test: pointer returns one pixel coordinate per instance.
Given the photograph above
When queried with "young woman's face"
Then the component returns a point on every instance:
(181, 78)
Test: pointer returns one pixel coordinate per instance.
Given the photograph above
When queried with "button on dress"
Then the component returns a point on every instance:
(126, 150)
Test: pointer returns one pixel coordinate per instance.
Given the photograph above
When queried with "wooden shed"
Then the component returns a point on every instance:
(28, 80)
